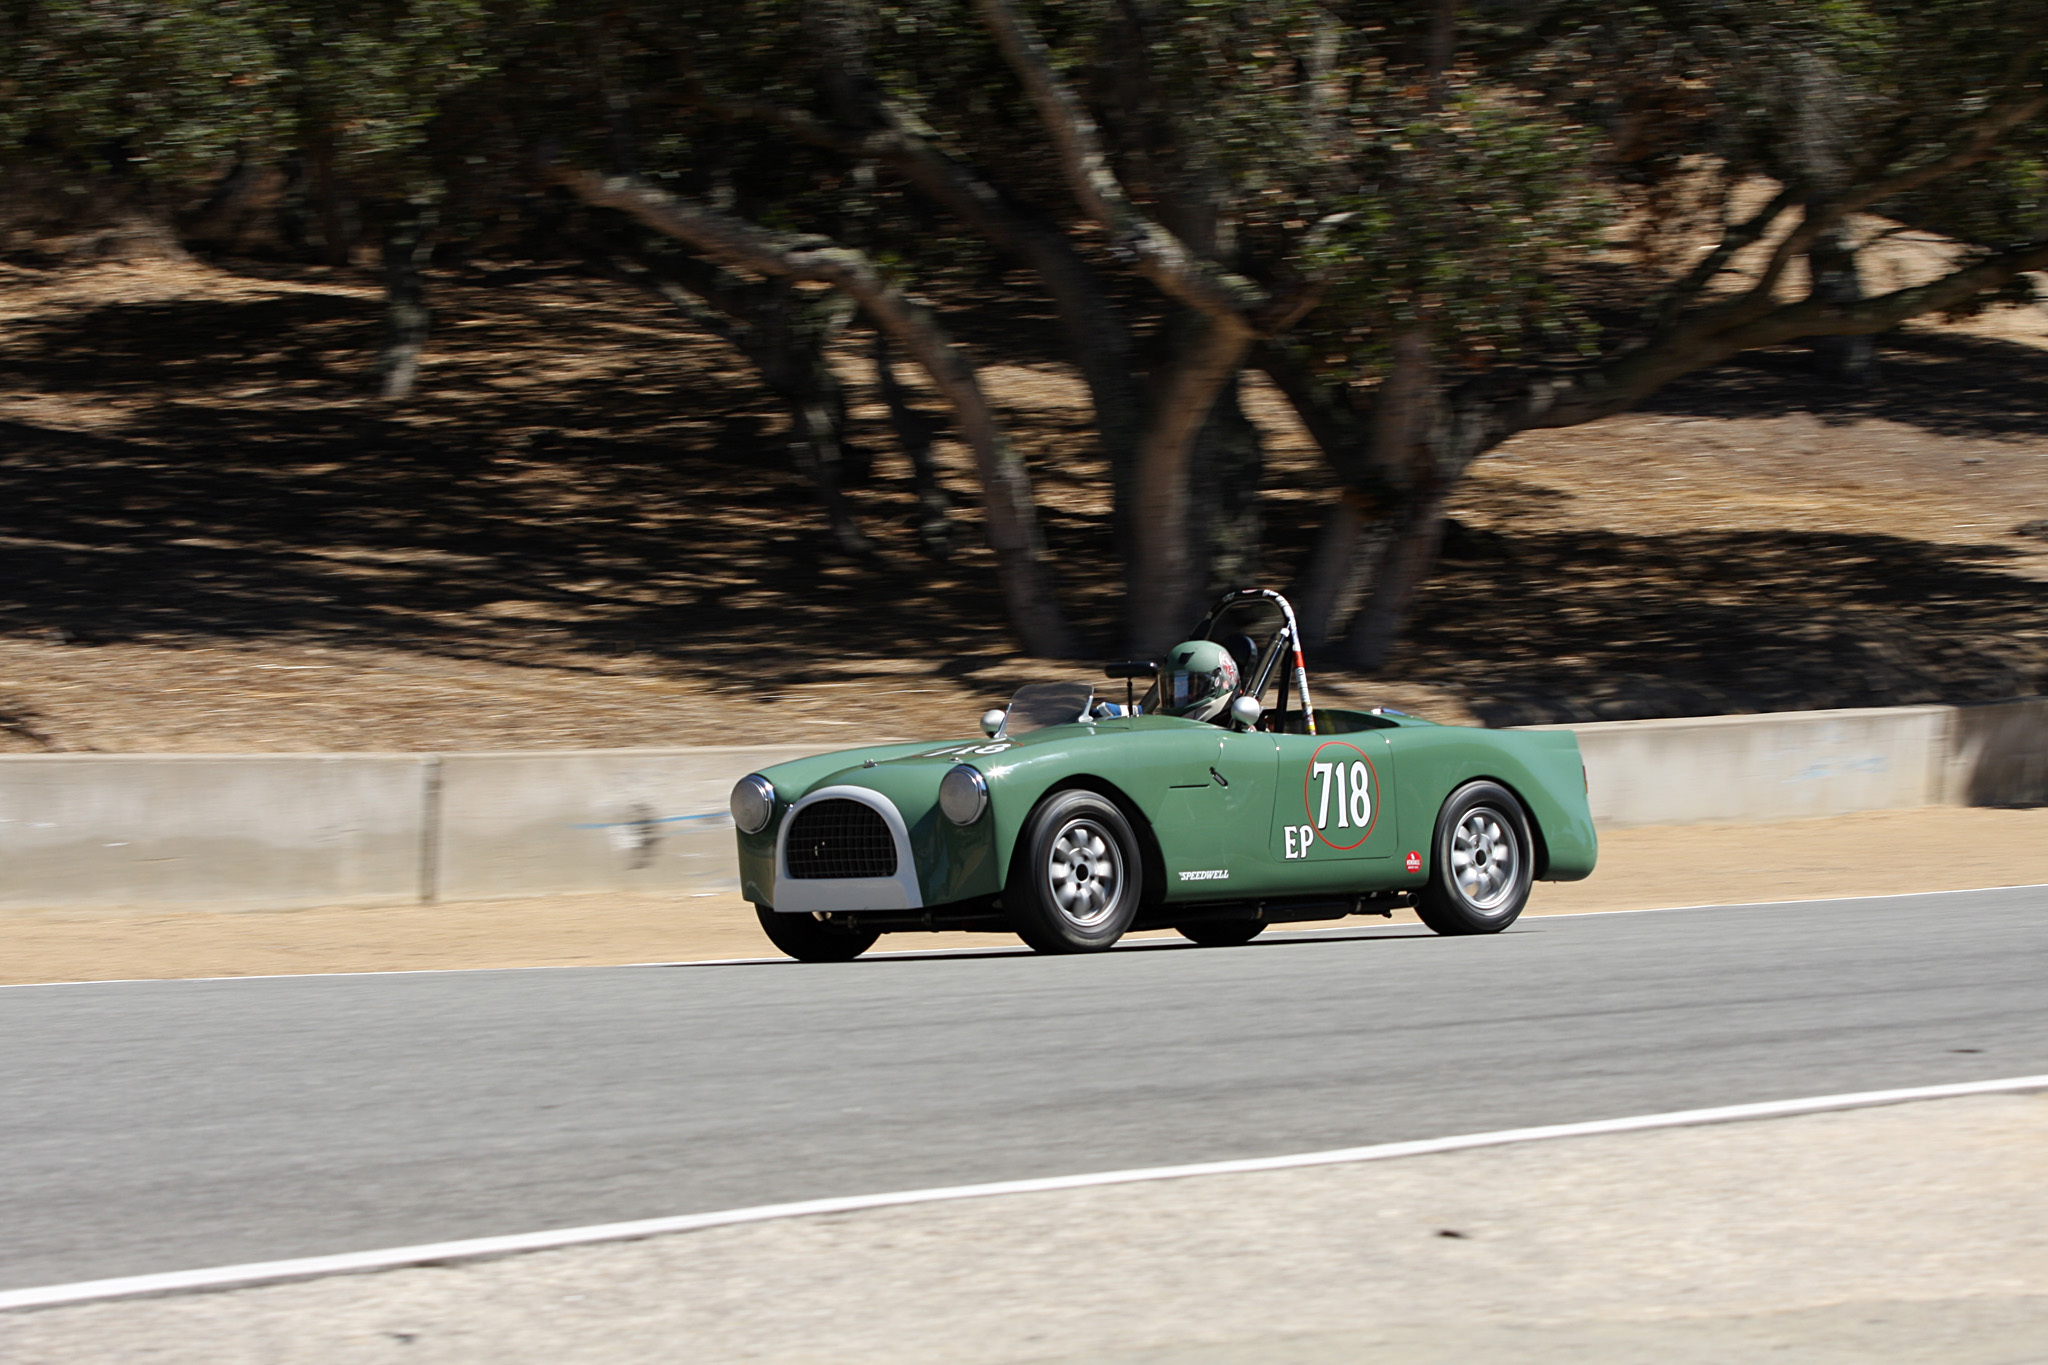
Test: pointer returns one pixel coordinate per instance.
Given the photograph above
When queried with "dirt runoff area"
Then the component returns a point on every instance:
(1877, 853)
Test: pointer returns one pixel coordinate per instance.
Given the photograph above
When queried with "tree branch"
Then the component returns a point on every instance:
(1979, 138)
(1101, 341)
(1619, 386)
(1227, 298)
(1734, 240)
(1182, 397)
(1013, 529)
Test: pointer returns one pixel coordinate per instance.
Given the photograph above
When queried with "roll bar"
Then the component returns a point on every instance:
(1288, 637)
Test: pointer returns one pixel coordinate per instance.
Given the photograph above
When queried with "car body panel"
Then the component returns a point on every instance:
(1233, 815)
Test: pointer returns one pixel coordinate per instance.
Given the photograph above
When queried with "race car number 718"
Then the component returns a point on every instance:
(1353, 792)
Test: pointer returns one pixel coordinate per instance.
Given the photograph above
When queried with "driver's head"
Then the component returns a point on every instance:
(1198, 680)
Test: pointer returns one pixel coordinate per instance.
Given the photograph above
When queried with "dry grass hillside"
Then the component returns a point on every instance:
(585, 533)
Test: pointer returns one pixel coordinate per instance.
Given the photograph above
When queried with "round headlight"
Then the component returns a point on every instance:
(753, 803)
(963, 795)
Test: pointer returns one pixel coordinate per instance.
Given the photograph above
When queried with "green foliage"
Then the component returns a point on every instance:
(163, 89)
(366, 79)
(170, 90)
(1467, 223)
(1286, 137)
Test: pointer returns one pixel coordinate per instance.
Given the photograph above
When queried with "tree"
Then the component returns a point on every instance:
(1922, 98)
(1012, 515)
(143, 99)
(1411, 218)
(1424, 188)
(169, 97)
(1157, 140)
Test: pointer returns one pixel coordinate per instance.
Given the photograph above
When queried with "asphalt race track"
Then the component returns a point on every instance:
(159, 1126)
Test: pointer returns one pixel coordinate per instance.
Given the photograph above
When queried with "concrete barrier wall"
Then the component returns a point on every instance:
(532, 824)
(1783, 766)
(274, 831)
(1998, 754)
(226, 832)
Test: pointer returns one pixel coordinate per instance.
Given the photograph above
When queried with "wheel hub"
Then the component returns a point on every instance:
(1085, 872)
(1485, 858)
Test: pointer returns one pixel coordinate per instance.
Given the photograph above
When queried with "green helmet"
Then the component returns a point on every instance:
(1197, 681)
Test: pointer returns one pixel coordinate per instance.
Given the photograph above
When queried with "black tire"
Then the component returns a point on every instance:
(1482, 863)
(1221, 933)
(1077, 878)
(814, 940)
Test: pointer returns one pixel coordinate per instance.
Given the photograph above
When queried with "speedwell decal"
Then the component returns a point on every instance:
(1214, 874)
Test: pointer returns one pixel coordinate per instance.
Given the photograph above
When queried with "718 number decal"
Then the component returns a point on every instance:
(1337, 793)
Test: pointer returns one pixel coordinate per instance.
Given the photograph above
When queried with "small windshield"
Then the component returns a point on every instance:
(1034, 706)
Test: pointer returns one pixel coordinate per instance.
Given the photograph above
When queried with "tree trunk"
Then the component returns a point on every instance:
(817, 453)
(1414, 433)
(407, 247)
(1325, 592)
(1164, 591)
(786, 333)
(1406, 552)
(1848, 359)
(783, 333)
(1379, 543)
(1225, 530)
(915, 431)
(243, 213)
(333, 209)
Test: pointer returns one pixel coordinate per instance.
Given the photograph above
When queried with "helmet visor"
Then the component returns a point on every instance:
(1185, 689)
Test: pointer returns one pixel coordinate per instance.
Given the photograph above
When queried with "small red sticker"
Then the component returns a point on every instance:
(1414, 861)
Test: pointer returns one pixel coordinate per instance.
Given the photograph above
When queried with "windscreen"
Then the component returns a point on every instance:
(1034, 706)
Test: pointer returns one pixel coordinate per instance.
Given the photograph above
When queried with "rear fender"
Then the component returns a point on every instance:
(1542, 862)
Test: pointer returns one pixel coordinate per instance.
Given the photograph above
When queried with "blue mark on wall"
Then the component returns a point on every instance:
(639, 837)
(654, 820)
(1817, 772)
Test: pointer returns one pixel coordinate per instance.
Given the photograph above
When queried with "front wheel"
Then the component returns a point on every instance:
(814, 940)
(1077, 878)
(1483, 865)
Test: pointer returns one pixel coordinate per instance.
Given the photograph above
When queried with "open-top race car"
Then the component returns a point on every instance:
(1222, 802)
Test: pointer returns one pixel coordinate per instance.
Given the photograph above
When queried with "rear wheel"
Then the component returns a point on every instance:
(1483, 864)
(1221, 933)
(1077, 878)
(814, 940)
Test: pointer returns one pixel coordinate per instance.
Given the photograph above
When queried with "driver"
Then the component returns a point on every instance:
(1198, 681)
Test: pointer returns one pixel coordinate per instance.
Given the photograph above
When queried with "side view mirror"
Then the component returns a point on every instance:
(992, 722)
(1246, 711)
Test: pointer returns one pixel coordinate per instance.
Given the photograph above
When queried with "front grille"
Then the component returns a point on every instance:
(832, 839)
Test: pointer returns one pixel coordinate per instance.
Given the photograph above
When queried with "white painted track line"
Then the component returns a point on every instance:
(479, 1248)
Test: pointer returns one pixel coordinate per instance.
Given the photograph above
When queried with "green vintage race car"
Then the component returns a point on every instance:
(1203, 808)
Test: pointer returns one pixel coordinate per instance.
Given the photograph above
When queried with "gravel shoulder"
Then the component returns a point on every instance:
(1941, 848)
(1913, 1233)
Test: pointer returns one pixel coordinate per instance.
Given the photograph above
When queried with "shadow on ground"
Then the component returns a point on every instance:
(1595, 626)
(584, 479)
(1945, 384)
